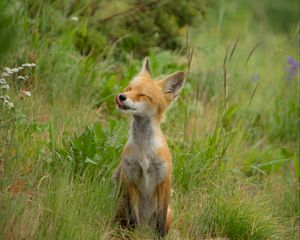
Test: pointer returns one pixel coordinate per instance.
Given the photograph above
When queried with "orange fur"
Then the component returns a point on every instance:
(146, 162)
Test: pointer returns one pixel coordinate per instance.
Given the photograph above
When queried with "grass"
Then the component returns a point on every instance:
(236, 157)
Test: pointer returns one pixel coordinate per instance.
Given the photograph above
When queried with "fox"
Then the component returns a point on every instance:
(145, 169)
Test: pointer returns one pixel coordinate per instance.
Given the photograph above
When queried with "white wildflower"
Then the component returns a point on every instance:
(6, 86)
(27, 93)
(20, 68)
(75, 19)
(15, 70)
(30, 65)
(5, 97)
(2, 81)
(9, 104)
(5, 74)
(6, 69)
(21, 78)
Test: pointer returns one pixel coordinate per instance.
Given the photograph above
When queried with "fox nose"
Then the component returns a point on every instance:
(122, 97)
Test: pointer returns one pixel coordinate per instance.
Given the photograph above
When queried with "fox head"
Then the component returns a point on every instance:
(146, 97)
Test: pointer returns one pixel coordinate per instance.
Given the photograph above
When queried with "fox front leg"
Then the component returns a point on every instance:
(126, 214)
(163, 205)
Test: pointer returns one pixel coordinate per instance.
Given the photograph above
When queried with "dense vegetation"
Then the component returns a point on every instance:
(233, 133)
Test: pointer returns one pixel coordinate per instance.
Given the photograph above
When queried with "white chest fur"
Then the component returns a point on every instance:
(144, 167)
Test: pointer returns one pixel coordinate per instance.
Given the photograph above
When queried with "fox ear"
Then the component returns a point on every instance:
(173, 83)
(146, 66)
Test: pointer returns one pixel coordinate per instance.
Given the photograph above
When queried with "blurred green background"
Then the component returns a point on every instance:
(233, 133)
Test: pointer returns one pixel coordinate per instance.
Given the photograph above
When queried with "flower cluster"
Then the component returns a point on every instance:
(293, 68)
(16, 72)
(6, 101)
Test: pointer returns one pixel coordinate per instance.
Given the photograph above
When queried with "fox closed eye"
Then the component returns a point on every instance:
(143, 95)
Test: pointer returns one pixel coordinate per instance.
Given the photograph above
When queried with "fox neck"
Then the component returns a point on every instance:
(145, 132)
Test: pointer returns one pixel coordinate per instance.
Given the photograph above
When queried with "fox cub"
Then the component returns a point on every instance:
(146, 163)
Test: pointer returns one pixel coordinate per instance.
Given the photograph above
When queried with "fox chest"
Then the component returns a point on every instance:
(146, 171)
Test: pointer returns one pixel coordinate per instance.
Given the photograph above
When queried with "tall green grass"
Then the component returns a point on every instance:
(235, 152)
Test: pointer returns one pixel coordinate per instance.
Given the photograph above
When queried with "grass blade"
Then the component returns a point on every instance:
(225, 58)
(252, 51)
(253, 93)
(233, 49)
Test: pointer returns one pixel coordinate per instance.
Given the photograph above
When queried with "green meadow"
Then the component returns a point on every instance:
(233, 132)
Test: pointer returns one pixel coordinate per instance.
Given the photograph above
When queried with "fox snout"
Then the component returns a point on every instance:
(120, 98)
